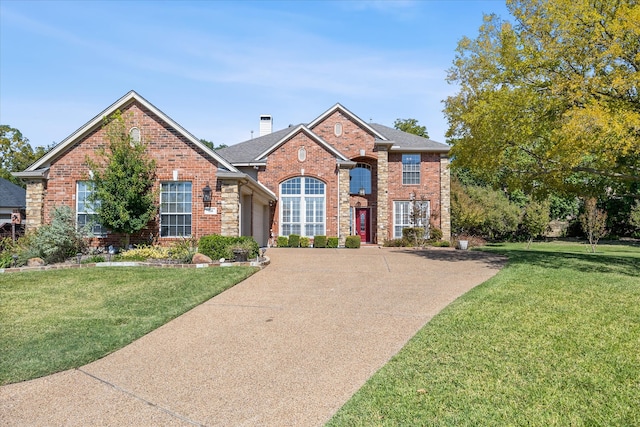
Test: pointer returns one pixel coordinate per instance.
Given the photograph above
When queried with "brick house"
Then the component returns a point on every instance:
(334, 176)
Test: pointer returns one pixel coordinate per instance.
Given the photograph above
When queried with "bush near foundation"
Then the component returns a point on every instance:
(352, 242)
(282, 242)
(332, 242)
(320, 241)
(294, 240)
(215, 246)
(305, 242)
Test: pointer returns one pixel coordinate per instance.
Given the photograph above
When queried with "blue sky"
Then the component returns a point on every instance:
(216, 66)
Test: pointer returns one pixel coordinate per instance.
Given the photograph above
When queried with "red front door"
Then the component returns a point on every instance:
(362, 224)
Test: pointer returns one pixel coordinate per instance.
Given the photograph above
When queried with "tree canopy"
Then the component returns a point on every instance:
(16, 154)
(122, 181)
(411, 126)
(552, 101)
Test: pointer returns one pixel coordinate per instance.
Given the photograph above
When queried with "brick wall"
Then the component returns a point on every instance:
(429, 187)
(171, 151)
(283, 164)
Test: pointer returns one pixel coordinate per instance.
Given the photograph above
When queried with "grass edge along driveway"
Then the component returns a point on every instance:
(62, 319)
(553, 339)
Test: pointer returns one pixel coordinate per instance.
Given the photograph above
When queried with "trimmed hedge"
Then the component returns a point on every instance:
(282, 242)
(320, 241)
(215, 246)
(332, 242)
(352, 242)
(294, 240)
(305, 242)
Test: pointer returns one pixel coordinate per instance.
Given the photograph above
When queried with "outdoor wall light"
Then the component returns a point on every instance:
(206, 193)
(362, 191)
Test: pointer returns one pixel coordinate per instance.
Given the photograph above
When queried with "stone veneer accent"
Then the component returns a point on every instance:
(35, 204)
(445, 197)
(230, 208)
(343, 207)
(382, 234)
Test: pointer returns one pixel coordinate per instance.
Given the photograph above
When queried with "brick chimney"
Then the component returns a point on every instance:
(266, 125)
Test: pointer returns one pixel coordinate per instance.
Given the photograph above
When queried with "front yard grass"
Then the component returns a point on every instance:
(552, 340)
(60, 319)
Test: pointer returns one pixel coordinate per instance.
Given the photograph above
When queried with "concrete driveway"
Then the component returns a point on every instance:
(287, 347)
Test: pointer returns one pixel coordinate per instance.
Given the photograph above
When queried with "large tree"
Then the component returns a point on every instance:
(411, 126)
(16, 154)
(122, 181)
(551, 101)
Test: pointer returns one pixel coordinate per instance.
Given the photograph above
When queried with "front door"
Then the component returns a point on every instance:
(362, 224)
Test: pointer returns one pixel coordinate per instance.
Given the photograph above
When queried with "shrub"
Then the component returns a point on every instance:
(352, 242)
(320, 241)
(143, 253)
(396, 243)
(7, 248)
(332, 242)
(214, 246)
(58, 240)
(305, 242)
(441, 243)
(435, 234)
(413, 235)
(294, 240)
(283, 242)
(93, 259)
(184, 250)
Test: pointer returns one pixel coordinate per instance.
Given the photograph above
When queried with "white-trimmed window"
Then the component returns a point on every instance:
(360, 179)
(410, 213)
(410, 169)
(302, 207)
(175, 209)
(401, 217)
(86, 218)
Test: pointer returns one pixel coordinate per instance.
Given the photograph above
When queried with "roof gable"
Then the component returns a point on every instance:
(346, 112)
(120, 104)
(304, 129)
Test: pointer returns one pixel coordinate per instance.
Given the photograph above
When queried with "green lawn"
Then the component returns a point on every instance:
(61, 319)
(552, 340)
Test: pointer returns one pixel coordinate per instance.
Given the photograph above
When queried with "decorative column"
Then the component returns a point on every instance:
(382, 233)
(35, 203)
(445, 197)
(230, 208)
(343, 205)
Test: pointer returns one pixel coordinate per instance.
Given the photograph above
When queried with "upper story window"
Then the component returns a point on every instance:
(410, 169)
(360, 179)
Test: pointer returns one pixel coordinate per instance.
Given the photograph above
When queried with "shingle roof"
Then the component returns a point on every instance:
(11, 195)
(247, 151)
(407, 140)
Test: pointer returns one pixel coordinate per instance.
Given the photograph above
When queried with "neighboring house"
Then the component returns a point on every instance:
(334, 176)
(12, 202)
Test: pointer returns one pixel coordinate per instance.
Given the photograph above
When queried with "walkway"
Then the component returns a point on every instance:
(287, 347)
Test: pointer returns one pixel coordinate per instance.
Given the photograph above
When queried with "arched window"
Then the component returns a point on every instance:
(360, 179)
(302, 207)
(134, 133)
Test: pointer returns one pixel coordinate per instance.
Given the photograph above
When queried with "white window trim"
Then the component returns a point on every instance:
(302, 213)
(184, 214)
